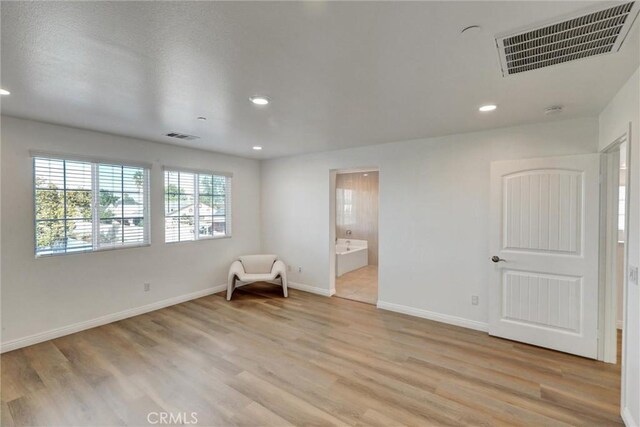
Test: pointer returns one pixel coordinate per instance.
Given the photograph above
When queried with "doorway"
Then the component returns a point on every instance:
(356, 235)
(613, 224)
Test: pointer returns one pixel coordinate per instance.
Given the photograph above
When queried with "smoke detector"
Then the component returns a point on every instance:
(568, 39)
(182, 136)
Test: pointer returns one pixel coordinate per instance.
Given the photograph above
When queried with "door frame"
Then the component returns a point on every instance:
(332, 221)
(608, 347)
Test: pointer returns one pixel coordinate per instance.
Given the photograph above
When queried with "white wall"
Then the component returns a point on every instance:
(614, 122)
(39, 295)
(434, 211)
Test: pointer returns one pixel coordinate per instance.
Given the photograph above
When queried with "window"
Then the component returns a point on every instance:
(621, 207)
(196, 205)
(346, 211)
(621, 212)
(88, 206)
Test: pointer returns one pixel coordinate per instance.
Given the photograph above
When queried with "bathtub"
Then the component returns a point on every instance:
(351, 255)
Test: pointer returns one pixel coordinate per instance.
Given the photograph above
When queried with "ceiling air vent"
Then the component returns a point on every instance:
(182, 136)
(588, 34)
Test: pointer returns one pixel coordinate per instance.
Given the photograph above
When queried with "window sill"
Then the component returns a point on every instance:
(91, 251)
(202, 239)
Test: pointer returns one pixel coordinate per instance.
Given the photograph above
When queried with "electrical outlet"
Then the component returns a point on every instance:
(475, 300)
(633, 274)
(299, 269)
(147, 287)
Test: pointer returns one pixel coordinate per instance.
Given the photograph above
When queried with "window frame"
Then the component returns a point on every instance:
(94, 163)
(197, 173)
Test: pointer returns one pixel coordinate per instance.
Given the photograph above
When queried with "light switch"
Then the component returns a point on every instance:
(633, 275)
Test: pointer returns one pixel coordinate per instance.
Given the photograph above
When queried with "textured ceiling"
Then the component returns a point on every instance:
(340, 74)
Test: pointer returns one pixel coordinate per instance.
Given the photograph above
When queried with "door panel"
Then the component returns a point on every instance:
(542, 210)
(544, 288)
(542, 299)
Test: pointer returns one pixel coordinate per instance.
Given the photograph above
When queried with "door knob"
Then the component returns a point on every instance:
(496, 258)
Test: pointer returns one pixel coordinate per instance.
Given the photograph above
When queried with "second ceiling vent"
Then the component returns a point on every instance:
(584, 35)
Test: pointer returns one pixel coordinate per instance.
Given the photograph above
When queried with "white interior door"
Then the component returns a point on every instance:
(544, 248)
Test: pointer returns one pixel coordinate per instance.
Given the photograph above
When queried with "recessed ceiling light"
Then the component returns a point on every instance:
(4, 92)
(489, 107)
(257, 147)
(259, 100)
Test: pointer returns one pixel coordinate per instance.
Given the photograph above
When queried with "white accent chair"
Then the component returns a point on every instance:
(256, 268)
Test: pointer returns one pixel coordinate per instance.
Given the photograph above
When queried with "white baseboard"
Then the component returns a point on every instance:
(627, 418)
(103, 320)
(311, 289)
(431, 315)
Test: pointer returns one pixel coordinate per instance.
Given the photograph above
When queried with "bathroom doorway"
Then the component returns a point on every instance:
(356, 235)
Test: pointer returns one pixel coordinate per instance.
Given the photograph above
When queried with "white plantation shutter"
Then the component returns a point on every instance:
(197, 205)
(179, 206)
(228, 204)
(63, 197)
(84, 206)
(122, 205)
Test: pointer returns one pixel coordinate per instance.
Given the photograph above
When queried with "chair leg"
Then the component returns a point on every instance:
(231, 284)
(284, 286)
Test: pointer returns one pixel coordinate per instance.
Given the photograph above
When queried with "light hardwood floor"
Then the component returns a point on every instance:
(359, 285)
(306, 360)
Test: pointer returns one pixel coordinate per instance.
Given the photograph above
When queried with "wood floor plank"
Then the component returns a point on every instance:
(256, 411)
(25, 411)
(6, 420)
(18, 376)
(281, 402)
(261, 359)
